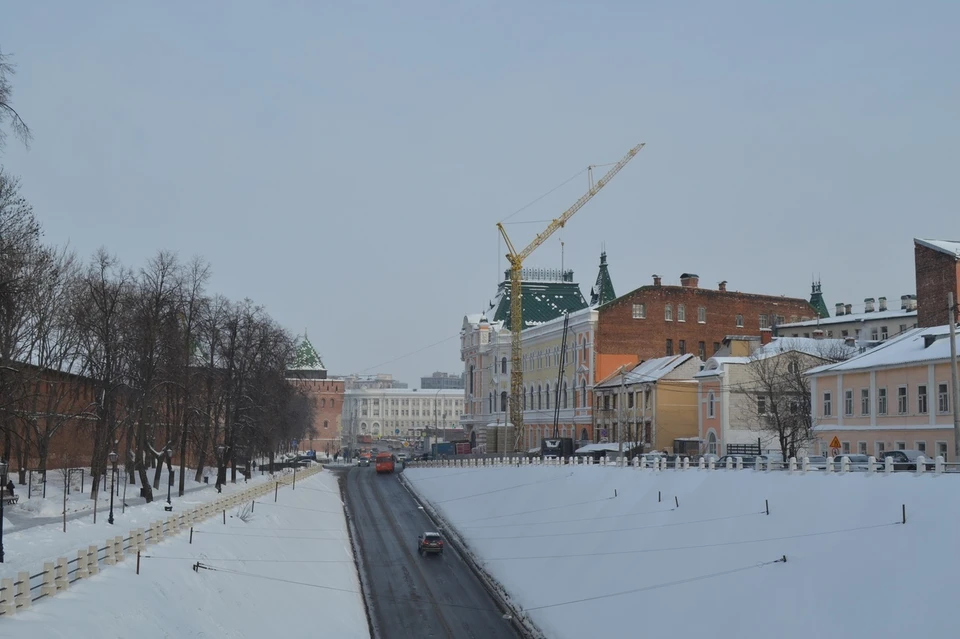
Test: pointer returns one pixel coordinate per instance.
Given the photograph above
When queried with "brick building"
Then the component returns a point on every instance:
(325, 395)
(937, 265)
(657, 320)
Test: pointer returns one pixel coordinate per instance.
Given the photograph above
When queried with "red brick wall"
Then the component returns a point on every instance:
(619, 333)
(327, 398)
(937, 275)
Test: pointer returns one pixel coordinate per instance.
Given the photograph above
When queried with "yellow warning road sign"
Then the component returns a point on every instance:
(835, 442)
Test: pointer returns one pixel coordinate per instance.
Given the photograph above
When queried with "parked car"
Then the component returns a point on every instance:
(430, 542)
(817, 462)
(907, 459)
(857, 462)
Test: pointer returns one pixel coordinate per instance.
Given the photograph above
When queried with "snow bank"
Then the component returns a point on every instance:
(287, 568)
(585, 548)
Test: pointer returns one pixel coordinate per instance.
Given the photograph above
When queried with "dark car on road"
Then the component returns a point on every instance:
(907, 459)
(430, 542)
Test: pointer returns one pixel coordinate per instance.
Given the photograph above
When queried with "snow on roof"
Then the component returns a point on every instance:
(853, 317)
(651, 370)
(715, 365)
(822, 348)
(950, 247)
(910, 348)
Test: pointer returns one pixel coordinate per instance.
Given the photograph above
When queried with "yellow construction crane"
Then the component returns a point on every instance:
(516, 309)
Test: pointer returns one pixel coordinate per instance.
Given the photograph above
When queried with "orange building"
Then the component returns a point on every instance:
(324, 395)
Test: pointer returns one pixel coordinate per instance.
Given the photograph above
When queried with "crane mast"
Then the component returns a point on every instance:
(516, 307)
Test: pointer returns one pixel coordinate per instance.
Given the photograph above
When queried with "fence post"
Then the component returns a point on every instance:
(82, 572)
(713, 464)
(938, 468)
(93, 560)
(888, 465)
(118, 547)
(48, 587)
(22, 597)
(60, 577)
(739, 463)
(871, 464)
(7, 607)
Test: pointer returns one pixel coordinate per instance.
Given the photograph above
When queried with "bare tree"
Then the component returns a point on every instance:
(7, 113)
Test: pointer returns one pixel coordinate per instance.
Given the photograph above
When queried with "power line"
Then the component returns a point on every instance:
(714, 545)
(540, 510)
(207, 532)
(405, 355)
(663, 585)
(611, 530)
(564, 521)
(500, 490)
(562, 184)
(273, 561)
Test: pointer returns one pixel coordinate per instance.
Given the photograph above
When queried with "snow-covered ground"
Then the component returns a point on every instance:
(588, 549)
(287, 569)
(33, 529)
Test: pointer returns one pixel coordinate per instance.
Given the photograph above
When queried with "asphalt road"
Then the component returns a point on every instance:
(412, 596)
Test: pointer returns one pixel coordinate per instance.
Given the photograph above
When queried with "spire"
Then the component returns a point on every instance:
(816, 300)
(307, 358)
(603, 290)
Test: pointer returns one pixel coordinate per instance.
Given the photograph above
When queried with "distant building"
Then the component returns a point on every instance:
(442, 380)
(370, 414)
(324, 395)
(937, 266)
(369, 382)
(876, 323)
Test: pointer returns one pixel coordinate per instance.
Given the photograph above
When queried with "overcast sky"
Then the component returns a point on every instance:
(345, 163)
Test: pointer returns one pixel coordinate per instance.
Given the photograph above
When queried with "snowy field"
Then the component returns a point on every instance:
(287, 569)
(589, 549)
(33, 529)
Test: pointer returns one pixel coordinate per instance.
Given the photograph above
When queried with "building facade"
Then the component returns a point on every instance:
(324, 395)
(877, 322)
(660, 320)
(370, 414)
(378, 381)
(653, 404)
(937, 266)
(442, 380)
(897, 396)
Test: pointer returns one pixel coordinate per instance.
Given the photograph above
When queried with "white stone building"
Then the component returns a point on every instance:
(877, 322)
(400, 413)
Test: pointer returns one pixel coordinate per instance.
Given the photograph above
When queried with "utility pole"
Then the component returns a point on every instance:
(954, 376)
(620, 412)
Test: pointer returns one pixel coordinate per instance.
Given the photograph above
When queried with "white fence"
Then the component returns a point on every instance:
(57, 576)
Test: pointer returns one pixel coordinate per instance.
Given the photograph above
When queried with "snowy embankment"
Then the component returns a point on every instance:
(585, 548)
(289, 565)
(27, 546)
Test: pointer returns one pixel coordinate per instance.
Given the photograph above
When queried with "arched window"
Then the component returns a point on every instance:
(583, 395)
(539, 397)
(532, 404)
(711, 399)
(323, 403)
(472, 387)
(564, 395)
(490, 402)
(503, 365)
(326, 424)
(332, 403)
(712, 443)
(503, 401)
(548, 397)
(583, 435)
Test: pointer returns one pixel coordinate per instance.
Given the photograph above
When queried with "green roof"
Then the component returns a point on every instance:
(307, 358)
(543, 300)
(603, 290)
(816, 301)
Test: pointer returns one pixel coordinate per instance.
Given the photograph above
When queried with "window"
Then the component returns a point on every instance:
(903, 327)
(629, 400)
(942, 450)
(669, 347)
(793, 368)
(503, 401)
(326, 424)
(943, 398)
(683, 347)
(547, 401)
(873, 334)
(880, 447)
(920, 446)
(881, 401)
(539, 397)
(503, 365)
(827, 405)
(901, 445)
(639, 311)
(681, 313)
(323, 403)
(848, 402)
(711, 401)
(668, 313)
(764, 321)
(922, 399)
(563, 395)
(761, 405)
(902, 400)
(845, 448)
(829, 333)
(864, 401)
(883, 332)
(844, 333)
(778, 320)
(702, 314)
(702, 350)
(716, 347)
(862, 448)
(739, 321)
(712, 443)
(583, 394)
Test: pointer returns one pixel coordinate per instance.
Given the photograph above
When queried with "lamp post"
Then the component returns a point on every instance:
(220, 450)
(3, 487)
(113, 480)
(170, 473)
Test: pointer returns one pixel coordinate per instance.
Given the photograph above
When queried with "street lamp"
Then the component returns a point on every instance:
(3, 487)
(220, 450)
(170, 470)
(113, 480)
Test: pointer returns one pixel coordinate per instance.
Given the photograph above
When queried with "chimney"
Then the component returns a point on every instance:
(883, 304)
(839, 309)
(766, 336)
(723, 285)
(868, 305)
(818, 333)
(848, 309)
(912, 302)
(689, 280)
(656, 280)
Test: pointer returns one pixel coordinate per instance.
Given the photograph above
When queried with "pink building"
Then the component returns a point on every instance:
(894, 396)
